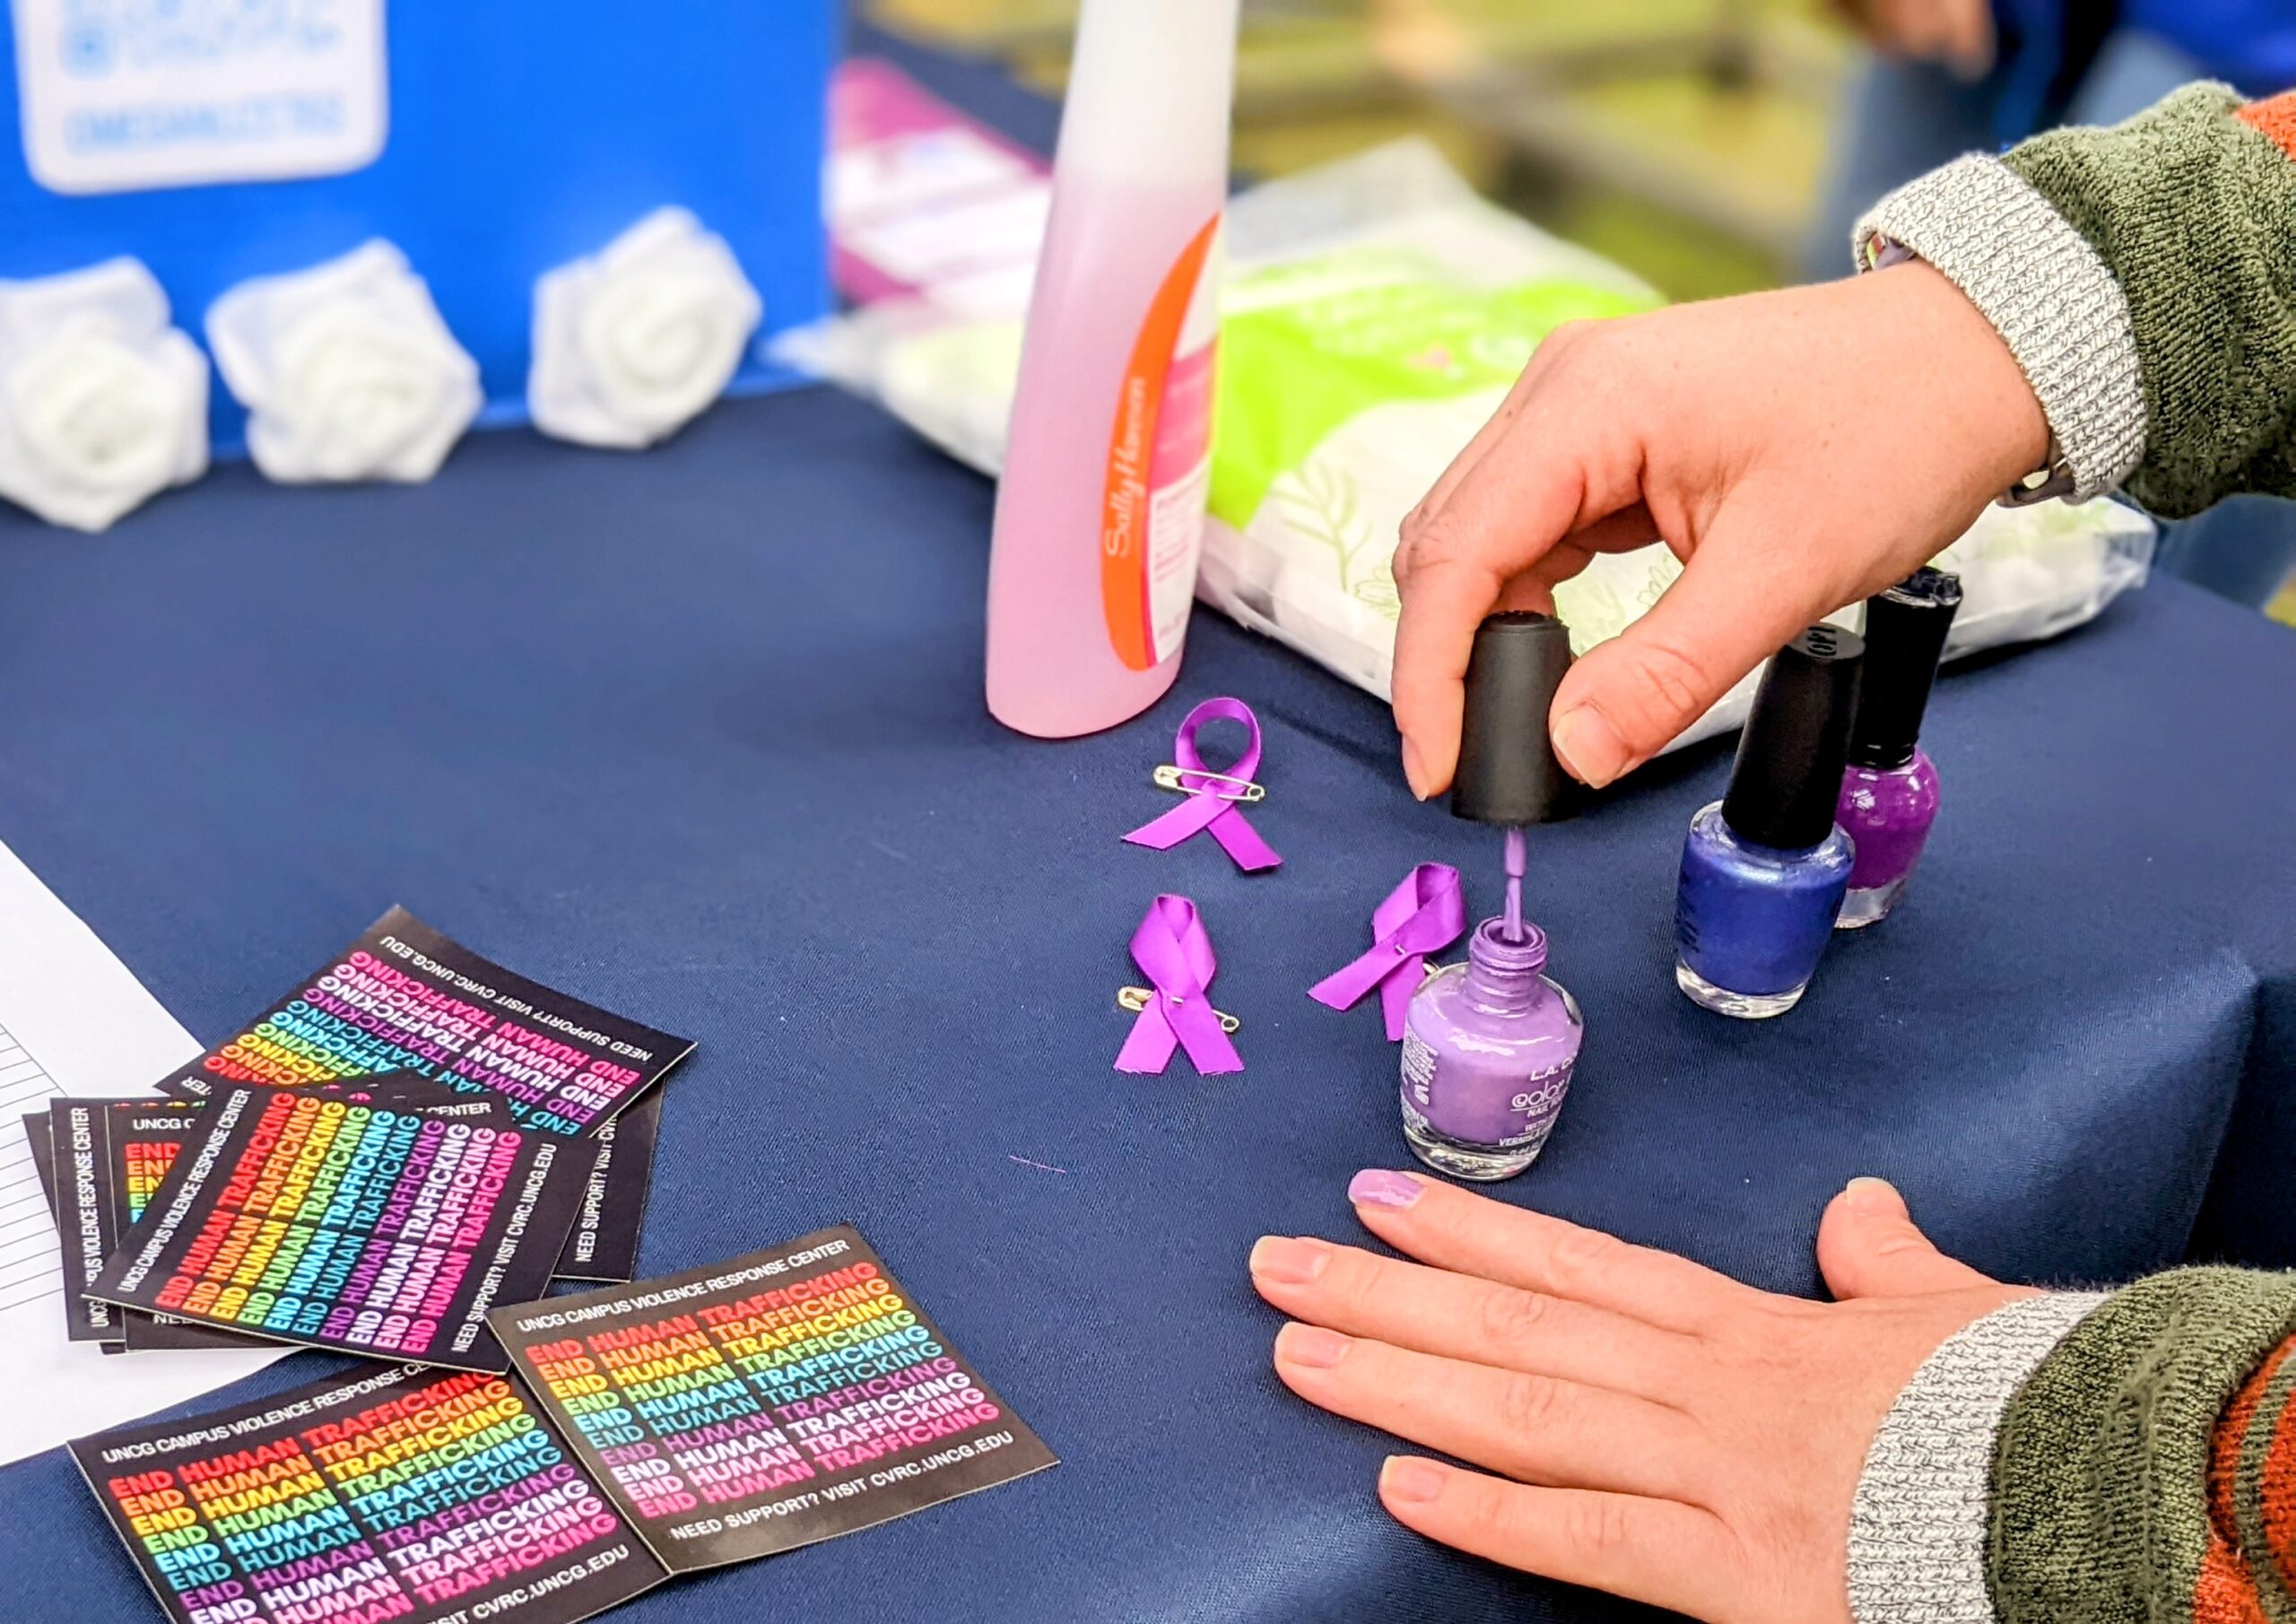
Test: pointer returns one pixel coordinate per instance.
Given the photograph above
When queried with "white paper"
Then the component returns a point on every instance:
(73, 1021)
(132, 94)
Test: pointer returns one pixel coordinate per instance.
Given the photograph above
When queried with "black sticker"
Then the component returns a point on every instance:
(382, 1230)
(604, 1246)
(144, 1136)
(765, 1402)
(77, 1146)
(404, 997)
(411, 1495)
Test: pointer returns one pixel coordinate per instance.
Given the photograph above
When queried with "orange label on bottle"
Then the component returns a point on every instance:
(1159, 449)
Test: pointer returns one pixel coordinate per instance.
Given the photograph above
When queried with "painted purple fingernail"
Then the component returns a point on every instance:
(1378, 1187)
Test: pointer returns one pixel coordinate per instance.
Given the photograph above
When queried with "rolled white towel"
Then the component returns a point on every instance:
(102, 403)
(347, 371)
(635, 340)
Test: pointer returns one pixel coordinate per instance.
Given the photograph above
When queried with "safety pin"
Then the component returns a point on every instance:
(1136, 999)
(1248, 793)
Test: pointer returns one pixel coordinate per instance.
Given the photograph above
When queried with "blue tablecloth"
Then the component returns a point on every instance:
(698, 735)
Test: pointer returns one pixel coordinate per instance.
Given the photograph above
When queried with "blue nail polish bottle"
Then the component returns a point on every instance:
(1765, 868)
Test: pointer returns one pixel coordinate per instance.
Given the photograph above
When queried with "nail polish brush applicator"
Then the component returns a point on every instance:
(1508, 774)
(1489, 1045)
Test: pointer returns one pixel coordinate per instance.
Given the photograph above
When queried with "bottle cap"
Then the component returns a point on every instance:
(1905, 638)
(1507, 770)
(1788, 777)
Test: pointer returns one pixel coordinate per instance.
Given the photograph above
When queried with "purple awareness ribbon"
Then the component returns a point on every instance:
(1424, 914)
(1208, 805)
(1174, 951)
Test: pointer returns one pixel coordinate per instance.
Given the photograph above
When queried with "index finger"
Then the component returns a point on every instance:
(1506, 517)
(1473, 1235)
(1443, 602)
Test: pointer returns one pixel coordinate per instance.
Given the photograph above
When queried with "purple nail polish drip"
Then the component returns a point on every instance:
(1888, 791)
(1488, 1049)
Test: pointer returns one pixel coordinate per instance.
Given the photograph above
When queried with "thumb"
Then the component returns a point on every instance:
(1868, 1247)
(1732, 608)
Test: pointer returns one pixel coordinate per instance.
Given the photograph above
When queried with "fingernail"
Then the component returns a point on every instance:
(1290, 1263)
(1412, 773)
(1589, 746)
(1874, 1197)
(1378, 1187)
(1311, 1345)
(1406, 1477)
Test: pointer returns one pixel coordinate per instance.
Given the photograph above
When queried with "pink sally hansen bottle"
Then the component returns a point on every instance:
(1100, 517)
(1489, 1046)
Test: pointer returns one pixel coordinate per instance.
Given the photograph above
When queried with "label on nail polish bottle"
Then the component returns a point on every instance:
(1481, 1107)
(1418, 1073)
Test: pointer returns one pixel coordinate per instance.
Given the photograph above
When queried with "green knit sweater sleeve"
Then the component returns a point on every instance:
(2128, 1459)
(2144, 276)
(2101, 1496)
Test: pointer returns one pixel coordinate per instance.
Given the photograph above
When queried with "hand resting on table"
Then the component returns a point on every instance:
(1645, 1426)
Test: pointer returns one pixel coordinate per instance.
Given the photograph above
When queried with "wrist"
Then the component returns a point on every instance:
(1920, 1523)
(2050, 300)
(1982, 404)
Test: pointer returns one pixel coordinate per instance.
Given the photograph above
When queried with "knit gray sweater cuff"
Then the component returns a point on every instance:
(1919, 1524)
(2045, 291)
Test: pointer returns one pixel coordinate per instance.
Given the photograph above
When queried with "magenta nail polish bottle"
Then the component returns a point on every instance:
(1488, 1049)
(1890, 794)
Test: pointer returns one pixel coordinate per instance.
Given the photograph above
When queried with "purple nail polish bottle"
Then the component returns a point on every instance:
(1488, 1050)
(1489, 1046)
(1888, 792)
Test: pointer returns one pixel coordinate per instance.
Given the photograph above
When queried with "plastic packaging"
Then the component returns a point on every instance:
(1099, 517)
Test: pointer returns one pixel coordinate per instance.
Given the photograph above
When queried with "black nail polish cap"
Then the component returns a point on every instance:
(1508, 772)
(1788, 777)
(1905, 638)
